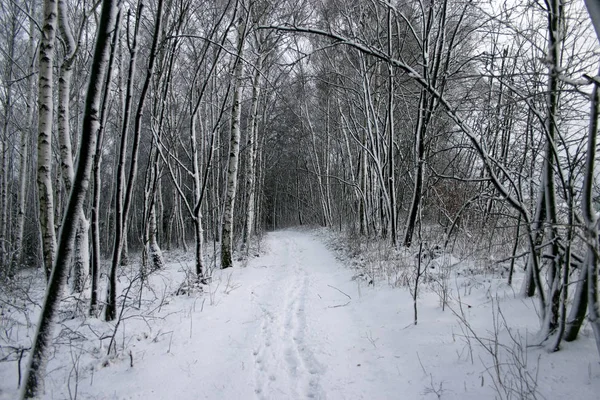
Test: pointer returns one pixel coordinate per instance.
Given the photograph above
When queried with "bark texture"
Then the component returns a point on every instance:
(234, 154)
(44, 144)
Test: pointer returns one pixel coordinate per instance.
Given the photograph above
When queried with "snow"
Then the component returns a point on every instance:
(297, 322)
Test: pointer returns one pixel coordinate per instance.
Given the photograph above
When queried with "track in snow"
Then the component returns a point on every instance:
(284, 363)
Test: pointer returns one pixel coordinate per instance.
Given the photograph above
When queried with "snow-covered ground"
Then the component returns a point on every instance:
(298, 323)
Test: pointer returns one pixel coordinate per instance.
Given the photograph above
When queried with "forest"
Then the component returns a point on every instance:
(132, 129)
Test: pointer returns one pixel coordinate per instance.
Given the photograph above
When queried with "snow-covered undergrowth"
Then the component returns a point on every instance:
(86, 345)
(302, 320)
(465, 302)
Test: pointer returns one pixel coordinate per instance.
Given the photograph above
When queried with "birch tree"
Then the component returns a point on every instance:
(44, 144)
(234, 148)
(36, 370)
(81, 256)
(97, 182)
(555, 29)
(251, 146)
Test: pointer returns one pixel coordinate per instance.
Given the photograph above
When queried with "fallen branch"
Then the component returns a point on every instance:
(345, 294)
(339, 305)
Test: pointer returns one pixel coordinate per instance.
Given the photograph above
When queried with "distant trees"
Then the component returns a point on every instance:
(496, 132)
(18, 66)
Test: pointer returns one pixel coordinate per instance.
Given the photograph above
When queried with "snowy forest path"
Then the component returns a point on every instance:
(307, 335)
(291, 324)
(285, 363)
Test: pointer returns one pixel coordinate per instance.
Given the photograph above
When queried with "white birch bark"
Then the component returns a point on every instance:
(64, 88)
(154, 251)
(234, 153)
(251, 158)
(81, 258)
(197, 213)
(44, 145)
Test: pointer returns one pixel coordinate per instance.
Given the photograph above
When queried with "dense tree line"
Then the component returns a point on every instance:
(169, 123)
